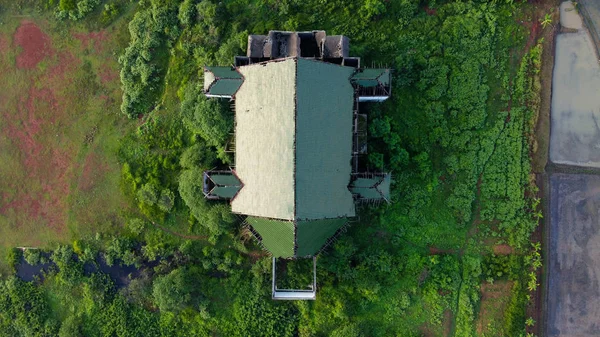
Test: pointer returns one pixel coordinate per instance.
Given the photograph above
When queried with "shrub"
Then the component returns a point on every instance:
(33, 256)
(166, 200)
(177, 290)
(136, 226)
(109, 13)
(148, 194)
(209, 118)
(13, 258)
(75, 10)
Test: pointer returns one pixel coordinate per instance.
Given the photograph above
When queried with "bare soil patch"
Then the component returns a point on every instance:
(447, 323)
(430, 11)
(502, 249)
(542, 129)
(35, 45)
(446, 328)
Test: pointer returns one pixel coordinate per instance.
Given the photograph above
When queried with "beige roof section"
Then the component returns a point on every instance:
(265, 126)
(209, 78)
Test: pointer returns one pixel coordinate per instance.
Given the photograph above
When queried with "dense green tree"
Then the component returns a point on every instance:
(198, 155)
(70, 327)
(255, 316)
(136, 226)
(217, 218)
(24, 310)
(67, 5)
(177, 290)
(166, 200)
(210, 118)
(347, 330)
(148, 194)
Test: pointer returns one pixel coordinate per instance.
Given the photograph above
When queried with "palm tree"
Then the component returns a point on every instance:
(546, 21)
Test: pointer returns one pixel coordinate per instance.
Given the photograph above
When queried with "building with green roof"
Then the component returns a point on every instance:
(298, 137)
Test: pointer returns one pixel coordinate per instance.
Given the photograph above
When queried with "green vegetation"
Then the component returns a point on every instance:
(456, 134)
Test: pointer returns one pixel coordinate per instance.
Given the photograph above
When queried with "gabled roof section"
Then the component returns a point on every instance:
(277, 236)
(288, 239)
(265, 130)
(221, 184)
(221, 81)
(372, 188)
(372, 77)
(325, 100)
(225, 179)
(311, 236)
(225, 192)
(294, 140)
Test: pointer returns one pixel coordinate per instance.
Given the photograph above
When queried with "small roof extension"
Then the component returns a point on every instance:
(221, 82)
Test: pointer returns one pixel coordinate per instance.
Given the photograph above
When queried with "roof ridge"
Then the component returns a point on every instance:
(295, 213)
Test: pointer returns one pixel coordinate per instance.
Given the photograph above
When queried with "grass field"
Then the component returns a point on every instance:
(60, 127)
(494, 299)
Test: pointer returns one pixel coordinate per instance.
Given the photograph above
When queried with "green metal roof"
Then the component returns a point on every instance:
(365, 182)
(224, 72)
(372, 77)
(312, 235)
(294, 140)
(226, 192)
(377, 187)
(368, 83)
(385, 186)
(225, 179)
(277, 235)
(324, 111)
(224, 87)
(221, 81)
(280, 236)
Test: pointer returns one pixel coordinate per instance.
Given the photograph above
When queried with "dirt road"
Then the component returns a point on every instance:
(591, 11)
(573, 273)
(575, 138)
(574, 261)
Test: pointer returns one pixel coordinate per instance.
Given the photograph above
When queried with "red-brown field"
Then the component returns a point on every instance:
(94, 40)
(59, 131)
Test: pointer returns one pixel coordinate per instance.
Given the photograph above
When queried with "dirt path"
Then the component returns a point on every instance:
(590, 10)
(575, 115)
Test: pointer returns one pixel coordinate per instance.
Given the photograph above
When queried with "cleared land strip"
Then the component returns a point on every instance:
(573, 273)
(590, 11)
(575, 115)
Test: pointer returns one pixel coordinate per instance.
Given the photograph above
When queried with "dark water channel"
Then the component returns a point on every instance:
(120, 273)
